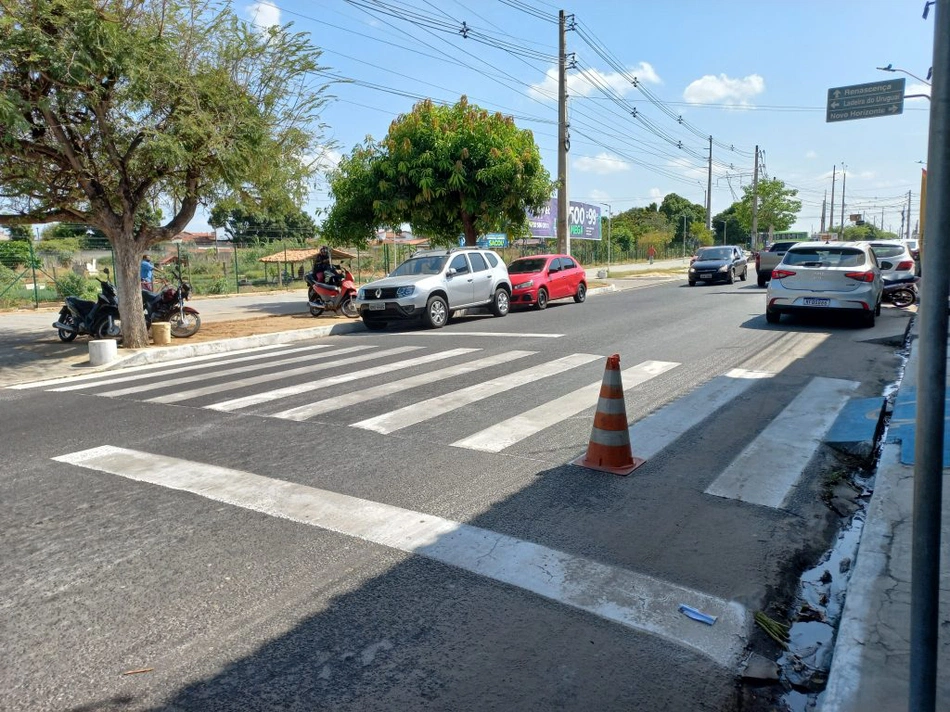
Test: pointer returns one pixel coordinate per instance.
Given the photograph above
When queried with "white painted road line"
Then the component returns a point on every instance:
(517, 428)
(348, 400)
(501, 334)
(434, 407)
(772, 464)
(662, 427)
(633, 600)
(319, 384)
(307, 370)
(222, 357)
(198, 377)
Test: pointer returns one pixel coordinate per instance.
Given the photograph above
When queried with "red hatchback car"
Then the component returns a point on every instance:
(538, 279)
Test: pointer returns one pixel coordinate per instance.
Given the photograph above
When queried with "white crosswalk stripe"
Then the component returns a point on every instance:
(434, 407)
(764, 473)
(347, 400)
(177, 366)
(772, 464)
(659, 429)
(518, 427)
(323, 383)
(108, 380)
(620, 595)
(307, 370)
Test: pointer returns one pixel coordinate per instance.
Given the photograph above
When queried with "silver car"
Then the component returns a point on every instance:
(823, 277)
(432, 285)
(895, 259)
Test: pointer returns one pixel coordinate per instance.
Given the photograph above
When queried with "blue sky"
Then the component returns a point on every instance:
(747, 73)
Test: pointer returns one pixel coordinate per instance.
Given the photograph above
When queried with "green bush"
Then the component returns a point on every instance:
(71, 284)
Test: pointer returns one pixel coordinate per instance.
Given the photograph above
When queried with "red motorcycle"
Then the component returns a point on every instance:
(336, 294)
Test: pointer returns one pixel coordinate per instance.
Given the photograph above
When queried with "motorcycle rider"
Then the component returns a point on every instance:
(322, 269)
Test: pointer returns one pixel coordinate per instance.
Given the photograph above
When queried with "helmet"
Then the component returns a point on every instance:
(324, 251)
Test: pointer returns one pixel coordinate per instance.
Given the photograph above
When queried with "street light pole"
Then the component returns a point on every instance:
(684, 236)
(725, 226)
(610, 217)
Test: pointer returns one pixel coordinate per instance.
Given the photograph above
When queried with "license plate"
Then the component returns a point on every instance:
(815, 302)
(707, 275)
(377, 306)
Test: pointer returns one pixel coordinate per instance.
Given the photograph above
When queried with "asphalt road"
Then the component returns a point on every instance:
(403, 552)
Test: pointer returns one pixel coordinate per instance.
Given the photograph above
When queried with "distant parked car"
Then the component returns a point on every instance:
(826, 277)
(538, 279)
(725, 263)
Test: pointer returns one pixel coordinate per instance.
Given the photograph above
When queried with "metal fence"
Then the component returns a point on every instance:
(34, 275)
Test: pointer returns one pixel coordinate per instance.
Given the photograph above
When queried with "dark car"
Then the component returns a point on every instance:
(724, 263)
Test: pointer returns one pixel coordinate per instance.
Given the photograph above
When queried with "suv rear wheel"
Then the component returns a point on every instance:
(436, 313)
(501, 303)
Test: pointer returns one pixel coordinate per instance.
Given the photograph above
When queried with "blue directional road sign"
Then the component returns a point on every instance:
(865, 101)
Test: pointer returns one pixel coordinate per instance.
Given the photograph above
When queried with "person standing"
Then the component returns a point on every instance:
(651, 253)
(146, 272)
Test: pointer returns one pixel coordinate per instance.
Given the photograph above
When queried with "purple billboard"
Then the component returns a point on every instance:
(583, 221)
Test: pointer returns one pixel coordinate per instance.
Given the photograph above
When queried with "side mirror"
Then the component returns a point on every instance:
(451, 271)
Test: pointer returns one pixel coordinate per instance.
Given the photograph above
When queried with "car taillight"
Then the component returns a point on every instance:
(758, 260)
(905, 266)
(782, 273)
(860, 276)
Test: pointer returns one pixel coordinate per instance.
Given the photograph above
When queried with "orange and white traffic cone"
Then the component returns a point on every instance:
(609, 449)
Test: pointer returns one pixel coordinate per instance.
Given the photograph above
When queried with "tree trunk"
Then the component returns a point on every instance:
(128, 257)
(468, 226)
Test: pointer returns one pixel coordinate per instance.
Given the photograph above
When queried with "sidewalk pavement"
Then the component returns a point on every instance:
(870, 669)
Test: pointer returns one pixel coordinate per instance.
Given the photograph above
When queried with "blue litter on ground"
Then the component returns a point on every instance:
(697, 615)
(903, 427)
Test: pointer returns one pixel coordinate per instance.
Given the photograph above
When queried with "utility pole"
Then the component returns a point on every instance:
(755, 201)
(908, 214)
(610, 219)
(709, 190)
(844, 182)
(832, 211)
(925, 618)
(563, 205)
(824, 205)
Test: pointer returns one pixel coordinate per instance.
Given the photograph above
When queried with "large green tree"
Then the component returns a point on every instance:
(681, 213)
(445, 170)
(247, 227)
(110, 107)
(777, 210)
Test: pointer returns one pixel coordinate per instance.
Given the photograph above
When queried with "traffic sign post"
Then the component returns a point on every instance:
(865, 101)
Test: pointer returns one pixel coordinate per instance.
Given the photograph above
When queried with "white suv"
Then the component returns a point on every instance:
(433, 285)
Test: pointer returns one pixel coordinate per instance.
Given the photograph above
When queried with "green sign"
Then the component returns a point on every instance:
(865, 101)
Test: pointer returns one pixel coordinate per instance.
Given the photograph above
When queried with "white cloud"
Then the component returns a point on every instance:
(602, 164)
(263, 14)
(917, 89)
(600, 196)
(723, 90)
(590, 81)
(811, 154)
(657, 195)
(327, 159)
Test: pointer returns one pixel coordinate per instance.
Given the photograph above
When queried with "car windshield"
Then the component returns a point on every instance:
(715, 253)
(527, 266)
(888, 250)
(420, 265)
(824, 257)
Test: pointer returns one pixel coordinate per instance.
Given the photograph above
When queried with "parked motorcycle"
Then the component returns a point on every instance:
(338, 296)
(99, 319)
(168, 304)
(901, 292)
